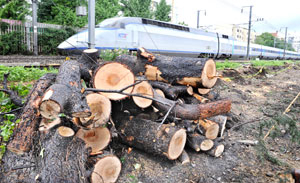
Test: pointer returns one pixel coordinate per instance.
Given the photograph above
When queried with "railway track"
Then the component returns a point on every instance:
(28, 61)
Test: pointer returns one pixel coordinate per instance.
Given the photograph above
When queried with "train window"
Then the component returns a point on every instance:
(224, 36)
(167, 25)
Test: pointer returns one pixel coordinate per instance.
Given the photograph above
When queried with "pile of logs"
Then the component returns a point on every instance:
(155, 103)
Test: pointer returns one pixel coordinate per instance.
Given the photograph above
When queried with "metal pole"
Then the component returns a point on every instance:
(285, 42)
(198, 14)
(91, 18)
(34, 25)
(249, 33)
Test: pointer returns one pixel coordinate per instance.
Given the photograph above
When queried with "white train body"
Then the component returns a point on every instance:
(169, 39)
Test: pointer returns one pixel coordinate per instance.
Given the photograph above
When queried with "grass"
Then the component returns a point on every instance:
(255, 63)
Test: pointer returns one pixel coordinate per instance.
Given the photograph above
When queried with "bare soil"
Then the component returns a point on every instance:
(257, 95)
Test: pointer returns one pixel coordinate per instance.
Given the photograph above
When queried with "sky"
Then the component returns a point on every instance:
(277, 14)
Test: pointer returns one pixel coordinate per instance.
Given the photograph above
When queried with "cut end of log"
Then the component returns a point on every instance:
(212, 131)
(203, 91)
(145, 89)
(208, 74)
(177, 144)
(50, 109)
(106, 169)
(65, 131)
(100, 107)
(113, 76)
(81, 114)
(190, 90)
(160, 93)
(217, 151)
(90, 51)
(206, 145)
(47, 124)
(96, 138)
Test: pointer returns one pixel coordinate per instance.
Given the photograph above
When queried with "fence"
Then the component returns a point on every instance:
(22, 33)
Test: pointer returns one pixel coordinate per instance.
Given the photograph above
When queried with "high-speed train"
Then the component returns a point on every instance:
(169, 39)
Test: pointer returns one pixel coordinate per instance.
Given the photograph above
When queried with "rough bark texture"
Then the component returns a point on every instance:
(199, 142)
(171, 92)
(145, 135)
(193, 111)
(88, 63)
(167, 69)
(74, 102)
(25, 130)
(63, 159)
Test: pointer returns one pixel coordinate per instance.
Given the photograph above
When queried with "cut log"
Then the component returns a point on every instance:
(193, 111)
(88, 63)
(64, 157)
(203, 91)
(100, 107)
(209, 128)
(217, 150)
(184, 158)
(47, 124)
(198, 72)
(106, 170)
(147, 136)
(145, 89)
(199, 142)
(160, 92)
(170, 91)
(113, 76)
(26, 128)
(221, 121)
(196, 96)
(96, 138)
(65, 95)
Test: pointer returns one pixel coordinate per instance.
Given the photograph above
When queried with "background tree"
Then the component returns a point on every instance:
(106, 9)
(267, 39)
(62, 12)
(14, 9)
(163, 11)
(136, 8)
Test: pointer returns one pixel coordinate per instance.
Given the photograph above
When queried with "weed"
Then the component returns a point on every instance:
(133, 179)
(109, 55)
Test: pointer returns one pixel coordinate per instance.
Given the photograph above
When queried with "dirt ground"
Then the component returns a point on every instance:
(258, 95)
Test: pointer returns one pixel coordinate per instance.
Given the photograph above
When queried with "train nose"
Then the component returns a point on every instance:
(63, 45)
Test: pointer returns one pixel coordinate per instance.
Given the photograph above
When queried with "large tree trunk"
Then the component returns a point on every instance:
(88, 63)
(197, 72)
(192, 111)
(148, 136)
(26, 128)
(63, 158)
(65, 96)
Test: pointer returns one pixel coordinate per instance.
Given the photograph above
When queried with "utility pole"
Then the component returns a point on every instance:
(34, 26)
(249, 31)
(198, 17)
(91, 18)
(285, 42)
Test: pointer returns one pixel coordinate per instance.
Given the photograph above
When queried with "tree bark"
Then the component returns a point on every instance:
(170, 91)
(88, 63)
(217, 150)
(148, 136)
(170, 69)
(63, 159)
(193, 111)
(26, 128)
(65, 95)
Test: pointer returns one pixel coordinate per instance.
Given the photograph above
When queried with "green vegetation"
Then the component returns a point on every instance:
(109, 55)
(24, 74)
(20, 75)
(162, 11)
(14, 9)
(255, 63)
(268, 39)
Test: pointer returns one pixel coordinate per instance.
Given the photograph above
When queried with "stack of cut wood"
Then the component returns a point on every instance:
(153, 103)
